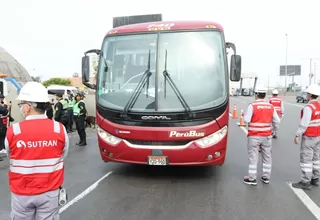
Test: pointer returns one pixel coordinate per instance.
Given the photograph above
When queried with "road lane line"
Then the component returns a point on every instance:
(307, 201)
(83, 194)
(296, 105)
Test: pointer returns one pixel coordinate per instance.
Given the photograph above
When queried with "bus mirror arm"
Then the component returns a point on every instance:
(89, 85)
(232, 46)
(96, 51)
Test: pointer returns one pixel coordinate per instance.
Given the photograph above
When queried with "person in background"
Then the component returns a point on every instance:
(278, 106)
(260, 117)
(49, 110)
(4, 113)
(309, 132)
(36, 147)
(61, 110)
(71, 102)
(79, 114)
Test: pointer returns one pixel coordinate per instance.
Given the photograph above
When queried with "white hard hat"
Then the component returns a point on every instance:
(33, 92)
(275, 92)
(261, 89)
(313, 89)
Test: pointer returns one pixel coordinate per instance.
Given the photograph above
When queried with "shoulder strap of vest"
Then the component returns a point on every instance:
(16, 128)
(313, 106)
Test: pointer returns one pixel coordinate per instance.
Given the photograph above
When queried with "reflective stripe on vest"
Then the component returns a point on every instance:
(36, 162)
(276, 102)
(261, 120)
(36, 166)
(76, 109)
(313, 129)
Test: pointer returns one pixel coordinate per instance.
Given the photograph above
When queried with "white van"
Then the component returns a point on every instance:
(56, 89)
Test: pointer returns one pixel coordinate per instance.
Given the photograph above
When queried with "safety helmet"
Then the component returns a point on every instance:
(261, 89)
(313, 89)
(80, 93)
(33, 92)
(275, 92)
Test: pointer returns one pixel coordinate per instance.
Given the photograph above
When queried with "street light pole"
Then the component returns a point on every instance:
(310, 68)
(286, 67)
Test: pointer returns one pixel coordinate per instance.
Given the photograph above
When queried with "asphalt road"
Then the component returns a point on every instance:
(134, 192)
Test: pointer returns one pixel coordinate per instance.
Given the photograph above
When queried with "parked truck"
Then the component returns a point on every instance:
(162, 91)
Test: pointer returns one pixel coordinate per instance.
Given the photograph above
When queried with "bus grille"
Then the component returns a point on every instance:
(158, 143)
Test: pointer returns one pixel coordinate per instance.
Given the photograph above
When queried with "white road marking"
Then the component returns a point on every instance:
(305, 199)
(83, 194)
(230, 114)
(244, 100)
(296, 105)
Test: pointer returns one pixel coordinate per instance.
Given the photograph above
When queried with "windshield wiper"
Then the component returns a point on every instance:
(142, 83)
(174, 88)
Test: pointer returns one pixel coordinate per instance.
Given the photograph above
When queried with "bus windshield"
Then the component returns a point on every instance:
(195, 61)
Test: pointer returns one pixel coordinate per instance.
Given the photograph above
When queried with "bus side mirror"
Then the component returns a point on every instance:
(85, 69)
(235, 68)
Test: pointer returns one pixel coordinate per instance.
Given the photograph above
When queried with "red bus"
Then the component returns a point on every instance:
(162, 93)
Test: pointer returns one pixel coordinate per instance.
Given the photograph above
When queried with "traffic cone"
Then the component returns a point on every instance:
(235, 114)
(241, 119)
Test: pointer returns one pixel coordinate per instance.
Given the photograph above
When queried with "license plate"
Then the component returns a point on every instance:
(157, 160)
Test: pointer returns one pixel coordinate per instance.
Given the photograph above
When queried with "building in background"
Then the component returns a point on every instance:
(77, 82)
(9, 65)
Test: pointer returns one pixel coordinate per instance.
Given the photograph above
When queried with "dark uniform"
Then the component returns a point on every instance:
(61, 111)
(71, 102)
(4, 115)
(49, 110)
(79, 116)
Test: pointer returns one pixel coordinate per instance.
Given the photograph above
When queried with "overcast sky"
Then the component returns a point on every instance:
(49, 37)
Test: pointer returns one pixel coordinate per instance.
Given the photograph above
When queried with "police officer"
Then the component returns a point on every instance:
(278, 106)
(79, 114)
(309, 129)
(71, 102)
(260, 117)
(61, 110)
(36, 158)
(49, 110)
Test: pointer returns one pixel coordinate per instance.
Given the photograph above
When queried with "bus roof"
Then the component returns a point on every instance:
(164, 26)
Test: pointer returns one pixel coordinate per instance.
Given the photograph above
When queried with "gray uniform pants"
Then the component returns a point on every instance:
(38, 207)
(254, 142)
(275, 129)
(310, 158)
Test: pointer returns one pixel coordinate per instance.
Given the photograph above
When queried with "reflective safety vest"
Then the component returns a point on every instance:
(64, 104)
(64, 107)
(36, 156)
(76, 109)
(313, 129)
(71, 102)
(277, 103)
(261, 120)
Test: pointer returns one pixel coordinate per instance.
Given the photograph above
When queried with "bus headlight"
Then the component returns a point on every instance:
(109, 138)
(212, 138)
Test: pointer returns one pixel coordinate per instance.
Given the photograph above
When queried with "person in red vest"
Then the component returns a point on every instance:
(260, 117)
(36, 148)
(278, 106)
(309, 131)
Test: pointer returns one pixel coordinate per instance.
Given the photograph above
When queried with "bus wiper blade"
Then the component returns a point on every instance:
(175, 89)
(137, 91)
